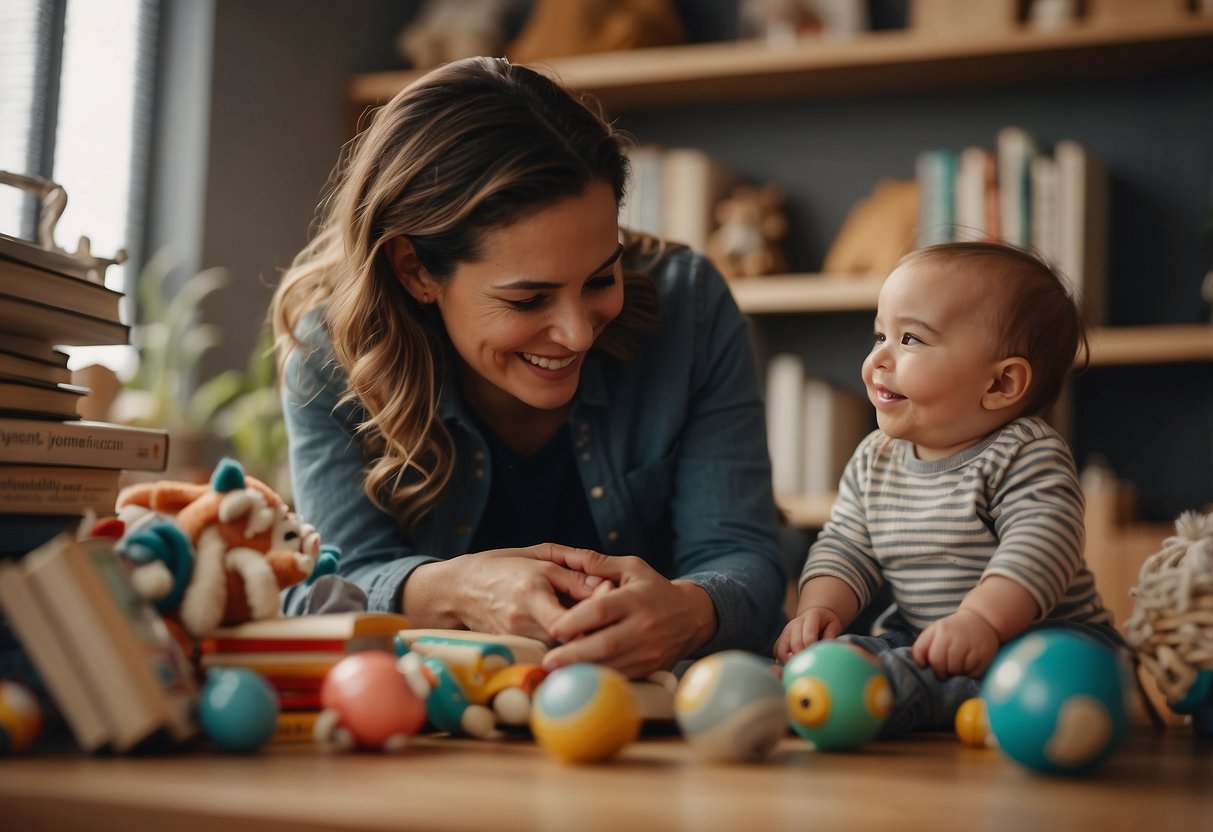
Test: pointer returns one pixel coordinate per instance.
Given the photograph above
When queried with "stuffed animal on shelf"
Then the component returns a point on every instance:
(1172, 622)
(215, 554)
(751, 228)
(878, 230)
(579, 27)
(446, 30)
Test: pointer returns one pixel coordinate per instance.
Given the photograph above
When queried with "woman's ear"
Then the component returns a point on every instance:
(1012, 377)
(409, 271)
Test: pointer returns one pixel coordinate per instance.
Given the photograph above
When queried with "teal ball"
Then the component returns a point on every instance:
(838, 696)
(238, 709)
(1057, 701)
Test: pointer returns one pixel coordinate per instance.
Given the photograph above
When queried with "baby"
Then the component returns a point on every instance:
(964, 502)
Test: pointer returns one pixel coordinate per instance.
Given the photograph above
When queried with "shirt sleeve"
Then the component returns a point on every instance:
(327, 473)
(1037, 508)
(726, 528)
(843, 548)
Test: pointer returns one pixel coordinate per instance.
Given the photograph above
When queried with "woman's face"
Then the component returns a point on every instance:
(522, 318)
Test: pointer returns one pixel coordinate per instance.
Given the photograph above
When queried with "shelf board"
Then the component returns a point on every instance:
(876, 62)
(1161, 344)
(799, 293)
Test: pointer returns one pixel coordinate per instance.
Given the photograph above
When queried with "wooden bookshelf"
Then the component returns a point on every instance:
(878, 62)
(797, 294)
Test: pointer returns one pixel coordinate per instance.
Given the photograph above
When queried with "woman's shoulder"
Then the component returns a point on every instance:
(688, 284)
(310, 355)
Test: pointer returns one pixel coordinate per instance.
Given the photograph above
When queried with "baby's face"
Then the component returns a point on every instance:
(933, 358)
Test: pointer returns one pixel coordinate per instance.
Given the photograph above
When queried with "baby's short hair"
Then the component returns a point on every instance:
(1036, 316)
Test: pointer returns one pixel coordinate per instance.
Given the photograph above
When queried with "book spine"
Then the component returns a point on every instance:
(31, 490)
(86, 444)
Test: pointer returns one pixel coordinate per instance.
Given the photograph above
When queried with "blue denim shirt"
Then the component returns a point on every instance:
(671, 449)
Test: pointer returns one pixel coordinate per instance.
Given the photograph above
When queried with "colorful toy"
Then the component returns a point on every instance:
(1056, 700)
(584, 713)
(971, 724)
(1171, 626)
(498, 673)
(238, 709)
(246, 546)
(838, 696)
(730, 706)
(368, 703)
(20, 718)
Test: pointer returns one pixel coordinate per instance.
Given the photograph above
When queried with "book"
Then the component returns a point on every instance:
(30, 254)
(35, 349)
(935, 171)
(692, 183)
(295, 726)
(143, 681)
(1015, 150)
(641, 210)
(53, 288)
(977, 201)
(785, 424)
(82, 443)
(22, 368)
(1083, 188)
(1045, 236)
(40, 398)
(835, 422)
(57, 326)
(57, 489)
(53, 659)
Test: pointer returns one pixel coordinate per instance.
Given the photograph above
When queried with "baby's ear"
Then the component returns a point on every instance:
(1012, 377)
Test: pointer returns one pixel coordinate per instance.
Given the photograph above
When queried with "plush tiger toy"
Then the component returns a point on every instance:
(216, 554)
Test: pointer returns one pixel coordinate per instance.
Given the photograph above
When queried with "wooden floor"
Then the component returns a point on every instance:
(1156, 781)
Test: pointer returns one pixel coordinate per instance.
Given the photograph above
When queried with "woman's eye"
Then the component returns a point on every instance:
(601, 282)
(528, 304)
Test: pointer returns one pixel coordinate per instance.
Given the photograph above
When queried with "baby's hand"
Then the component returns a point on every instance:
(811, 625)
(963, 644)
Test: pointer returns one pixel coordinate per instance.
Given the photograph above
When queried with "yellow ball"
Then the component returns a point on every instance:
(20, 718)
(584, 713)
(971, 724)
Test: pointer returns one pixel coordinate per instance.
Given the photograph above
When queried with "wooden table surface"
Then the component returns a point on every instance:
(1156, 781)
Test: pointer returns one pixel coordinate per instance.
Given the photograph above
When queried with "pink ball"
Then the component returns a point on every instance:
(372, 698)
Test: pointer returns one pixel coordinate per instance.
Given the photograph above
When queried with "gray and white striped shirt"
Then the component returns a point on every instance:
(1011, 505)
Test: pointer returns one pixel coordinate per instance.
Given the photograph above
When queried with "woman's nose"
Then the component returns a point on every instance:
(572, 328)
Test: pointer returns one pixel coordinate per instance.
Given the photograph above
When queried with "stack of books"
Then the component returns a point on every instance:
(295, 653)
(54, 467)
(106, 659)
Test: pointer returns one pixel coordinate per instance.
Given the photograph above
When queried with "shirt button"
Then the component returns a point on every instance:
(585, 457)
(478, 473)
(612, 535)
(462, 528)
(478, 456)
(584, 427)
(597, 492)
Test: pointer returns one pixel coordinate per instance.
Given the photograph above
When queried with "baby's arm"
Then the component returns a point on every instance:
(827, 605)
(965, 642)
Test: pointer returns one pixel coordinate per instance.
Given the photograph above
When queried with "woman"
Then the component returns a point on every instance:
(498, 400)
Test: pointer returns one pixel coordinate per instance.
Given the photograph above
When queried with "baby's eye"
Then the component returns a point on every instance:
(909, 339)
(878, 338)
